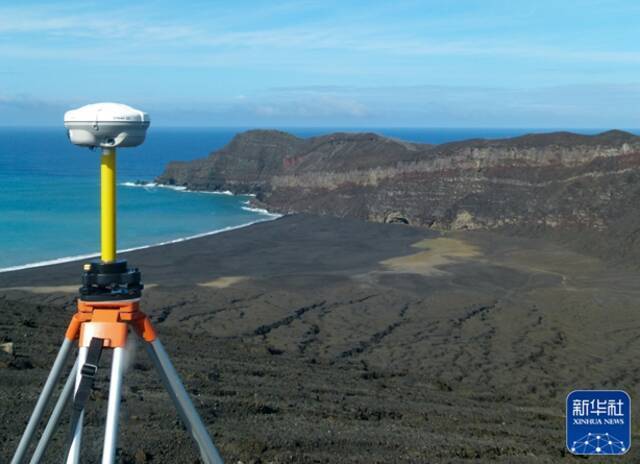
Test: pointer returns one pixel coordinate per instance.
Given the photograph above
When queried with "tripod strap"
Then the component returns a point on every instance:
(88, 374)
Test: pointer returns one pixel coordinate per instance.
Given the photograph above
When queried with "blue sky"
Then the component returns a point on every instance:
(464, 63)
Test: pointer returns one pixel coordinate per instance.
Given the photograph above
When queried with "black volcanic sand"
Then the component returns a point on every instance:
(317, 340)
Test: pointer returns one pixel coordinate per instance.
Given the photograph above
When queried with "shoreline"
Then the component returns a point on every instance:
(70, 259)
(247, 207)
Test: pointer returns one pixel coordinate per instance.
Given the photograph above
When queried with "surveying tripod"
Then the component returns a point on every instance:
(108, 306)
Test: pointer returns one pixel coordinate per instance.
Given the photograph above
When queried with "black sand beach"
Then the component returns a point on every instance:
(320, 340)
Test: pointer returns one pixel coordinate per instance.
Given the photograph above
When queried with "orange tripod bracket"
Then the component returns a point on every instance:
(110, 321)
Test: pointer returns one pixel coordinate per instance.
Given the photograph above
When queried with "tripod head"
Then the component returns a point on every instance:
(108, 125)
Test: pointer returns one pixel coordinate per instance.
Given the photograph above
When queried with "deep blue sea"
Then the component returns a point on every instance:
(49, 191)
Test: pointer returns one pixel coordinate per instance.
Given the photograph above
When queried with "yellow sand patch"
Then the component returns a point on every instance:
(439, 251)
(224, 282)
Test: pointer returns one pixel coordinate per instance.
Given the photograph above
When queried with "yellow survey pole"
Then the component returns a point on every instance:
(108, 205)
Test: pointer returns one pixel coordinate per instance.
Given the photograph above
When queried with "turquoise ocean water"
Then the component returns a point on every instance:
(49, 197)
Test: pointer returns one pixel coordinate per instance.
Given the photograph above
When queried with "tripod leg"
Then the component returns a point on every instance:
(180, 397)
(113, 411)
(74, 451)
(55, 416)
(41, 404)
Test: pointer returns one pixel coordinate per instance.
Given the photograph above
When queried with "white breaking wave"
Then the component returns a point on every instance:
(215, 192)
(151, 185)
(178, 188)
(260, 210)
(69, 259)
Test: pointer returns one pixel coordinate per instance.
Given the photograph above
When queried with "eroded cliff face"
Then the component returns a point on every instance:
(559, 183)
(249, 163)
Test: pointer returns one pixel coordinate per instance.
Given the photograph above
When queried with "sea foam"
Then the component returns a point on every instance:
(177, 188)
(260, 211)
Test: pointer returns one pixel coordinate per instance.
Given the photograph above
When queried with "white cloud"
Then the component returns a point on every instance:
(180, 41)
(601, 106)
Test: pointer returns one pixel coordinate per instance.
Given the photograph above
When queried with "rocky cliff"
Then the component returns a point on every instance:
(575, 187)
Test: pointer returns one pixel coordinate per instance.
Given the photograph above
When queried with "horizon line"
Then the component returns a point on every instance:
(281, 127)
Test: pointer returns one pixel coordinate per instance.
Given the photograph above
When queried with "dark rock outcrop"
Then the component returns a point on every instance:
(556, 184)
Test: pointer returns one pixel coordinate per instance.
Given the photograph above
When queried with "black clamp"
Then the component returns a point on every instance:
(89, 370)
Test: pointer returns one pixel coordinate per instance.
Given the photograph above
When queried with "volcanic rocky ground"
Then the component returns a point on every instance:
(319, 340)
